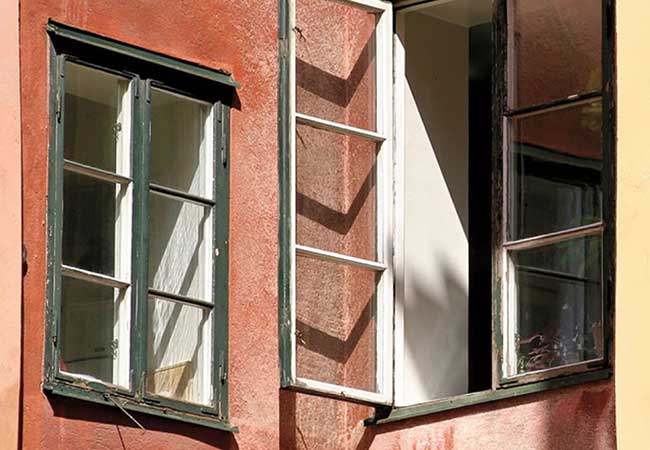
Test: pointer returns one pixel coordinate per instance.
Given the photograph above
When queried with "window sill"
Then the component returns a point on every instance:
(120, 401)
(477, 398)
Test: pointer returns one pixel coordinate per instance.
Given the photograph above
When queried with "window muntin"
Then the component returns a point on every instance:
(341, 115)
(148, 349)
(553, 300)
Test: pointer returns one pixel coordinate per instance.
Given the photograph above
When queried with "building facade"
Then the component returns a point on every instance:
(324, 224)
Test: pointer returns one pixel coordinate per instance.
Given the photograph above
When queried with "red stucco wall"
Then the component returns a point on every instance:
(241, 36)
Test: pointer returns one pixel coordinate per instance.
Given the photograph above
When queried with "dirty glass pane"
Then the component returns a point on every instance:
(555, 170)
(336, 328)
(336, 193)
(181, 143)
(89, 342)
(96, 118)
(179, 351)
(554, 49)
(559, 303)
(180, 238)
(335, 62)
(90, 221)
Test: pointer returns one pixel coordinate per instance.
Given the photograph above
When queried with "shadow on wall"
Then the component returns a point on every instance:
(310, 422)
(116, 430)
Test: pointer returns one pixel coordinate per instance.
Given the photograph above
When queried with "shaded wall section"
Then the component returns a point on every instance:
(10, 226)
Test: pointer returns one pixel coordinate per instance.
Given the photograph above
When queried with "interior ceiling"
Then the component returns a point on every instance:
(466, 13)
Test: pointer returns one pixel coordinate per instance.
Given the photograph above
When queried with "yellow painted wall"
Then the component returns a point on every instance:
(632, 363)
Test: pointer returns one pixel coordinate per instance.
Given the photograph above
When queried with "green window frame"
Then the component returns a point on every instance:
(145, 73)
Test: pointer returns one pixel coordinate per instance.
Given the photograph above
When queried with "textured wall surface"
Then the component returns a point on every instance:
(633, 240)
(241, 36)
(10, 226)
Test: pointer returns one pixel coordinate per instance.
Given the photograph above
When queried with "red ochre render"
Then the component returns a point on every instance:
(242, 37)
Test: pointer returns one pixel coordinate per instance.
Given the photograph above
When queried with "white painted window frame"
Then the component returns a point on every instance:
(384, 264)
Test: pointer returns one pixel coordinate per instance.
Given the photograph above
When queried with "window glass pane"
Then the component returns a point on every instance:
(336, 193)
(181, 143)
(559, 302)
(179, 351)
(180, 238)
(90, 342)
(97, 119)
(555, 170)
(91, 224)
(336, 328)
(335, 62)
(554, 49)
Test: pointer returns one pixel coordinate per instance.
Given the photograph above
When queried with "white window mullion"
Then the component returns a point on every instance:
(123, 227)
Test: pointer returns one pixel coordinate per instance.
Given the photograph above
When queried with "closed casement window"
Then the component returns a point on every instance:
(138, 227)
(447, 199)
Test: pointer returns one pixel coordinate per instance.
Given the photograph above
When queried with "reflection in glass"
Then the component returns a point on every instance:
(336, 328)
(88, 343)
(181, 143)
(559, 302)
(90, 216)
(335, 62)
(180, 236)
(336, 194)
(555, 170)
(554, 50)
(179, 351)
(96, 118)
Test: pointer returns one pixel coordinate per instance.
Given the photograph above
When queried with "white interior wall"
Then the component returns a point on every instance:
(432, 288)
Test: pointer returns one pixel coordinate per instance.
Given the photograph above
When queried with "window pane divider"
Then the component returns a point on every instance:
(338, 258)
(552, 238)
(328, 125)
(86, 275)
(180, 298)
(105, 175)
(566, 102)
(175, 194)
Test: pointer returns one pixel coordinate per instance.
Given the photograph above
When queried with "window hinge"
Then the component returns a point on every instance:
(223, 371)
(54, 340)
(58, 108)
(222, 125)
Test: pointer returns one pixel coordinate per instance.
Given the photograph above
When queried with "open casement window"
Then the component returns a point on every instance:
(553, 308)
(340, 242)
(447, 201)
(138, 226)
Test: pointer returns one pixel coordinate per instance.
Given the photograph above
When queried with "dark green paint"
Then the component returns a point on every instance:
(94, 40)
(285, 181)
(477, 398)
(85, 394)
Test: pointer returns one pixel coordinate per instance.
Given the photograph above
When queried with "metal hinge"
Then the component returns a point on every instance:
(58, 107)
